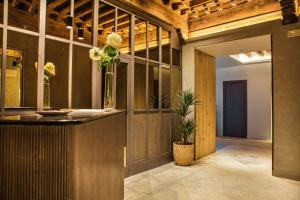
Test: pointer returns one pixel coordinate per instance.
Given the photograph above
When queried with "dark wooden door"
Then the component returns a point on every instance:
(235, 108)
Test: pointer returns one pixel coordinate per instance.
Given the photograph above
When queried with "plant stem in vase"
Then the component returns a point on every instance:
(108, 93)
(46, 95)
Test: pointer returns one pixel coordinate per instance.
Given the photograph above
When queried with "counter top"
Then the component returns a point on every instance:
(75, 117)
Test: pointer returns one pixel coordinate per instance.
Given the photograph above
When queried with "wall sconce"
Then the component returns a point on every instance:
(69, 22)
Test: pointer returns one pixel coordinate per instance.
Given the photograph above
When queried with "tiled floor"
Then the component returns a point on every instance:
(239, 170)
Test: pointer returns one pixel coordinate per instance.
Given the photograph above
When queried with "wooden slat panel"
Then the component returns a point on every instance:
(205, 89)
(34, 164)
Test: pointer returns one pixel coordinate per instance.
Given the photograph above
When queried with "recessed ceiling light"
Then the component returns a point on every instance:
(69, 22)
(252, 57)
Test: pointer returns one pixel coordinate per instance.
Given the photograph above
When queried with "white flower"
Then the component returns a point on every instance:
(114, 39)
(96, 53)
(50, 68)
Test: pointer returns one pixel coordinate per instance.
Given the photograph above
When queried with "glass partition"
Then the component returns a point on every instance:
(176, 83)
(106, 22)
(166, 48)
(123, 28)
(140, 38)
(24, 14)
(166, 87)
(139, 84)
(58, 19)
(153, 85)
(57, 53)
(153, 42)
(1, 51)
(21, 74)
(83, 21)
(121, 84)
(176, 57)
(81, 78)
(1, 11)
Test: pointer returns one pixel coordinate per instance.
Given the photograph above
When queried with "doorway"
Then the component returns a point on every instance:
(235, 108)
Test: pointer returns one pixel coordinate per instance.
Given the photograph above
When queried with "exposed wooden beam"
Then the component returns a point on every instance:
(55, 4)
(76, 5)
(236, 13)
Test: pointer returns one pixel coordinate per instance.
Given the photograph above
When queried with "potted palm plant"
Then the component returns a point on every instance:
(183, 150)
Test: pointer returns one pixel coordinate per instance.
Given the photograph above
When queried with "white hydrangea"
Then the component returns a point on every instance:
(50, 68)
(96, 53)
(114, 39)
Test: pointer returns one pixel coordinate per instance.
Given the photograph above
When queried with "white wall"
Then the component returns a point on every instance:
(259, 97)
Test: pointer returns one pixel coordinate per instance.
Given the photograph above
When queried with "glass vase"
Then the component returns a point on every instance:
(46, 95)
(108, 92)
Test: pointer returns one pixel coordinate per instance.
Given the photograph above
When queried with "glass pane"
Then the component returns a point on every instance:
(153, 85)
(1, 38)
(124, 30)
(176, 84)
(139, 84)
(58, 20)
(176, 57)
(24, 14)
(106, 22)
(1, 11)
(166, 39)
(21, 75)
(83, 19)
(121, 92)
(59, 82)
(140, 38)
(81, 78)
(166, 87)
(153, 42)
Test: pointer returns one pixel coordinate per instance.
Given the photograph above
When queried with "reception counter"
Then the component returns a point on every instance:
(74, 157)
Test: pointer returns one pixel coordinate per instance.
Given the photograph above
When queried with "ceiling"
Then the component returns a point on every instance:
(237, 46)
(222, 50)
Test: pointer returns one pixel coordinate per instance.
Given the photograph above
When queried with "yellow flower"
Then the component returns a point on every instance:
(50, 68)
(96, 53)
(114, 40)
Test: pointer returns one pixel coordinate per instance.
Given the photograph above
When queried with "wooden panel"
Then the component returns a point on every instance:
(63, 162)
(205, 88)
(153, 134)
(99, 158)
(139, 137)
(165, 134)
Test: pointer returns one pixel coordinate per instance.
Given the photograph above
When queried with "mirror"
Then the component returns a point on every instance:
(21, 74)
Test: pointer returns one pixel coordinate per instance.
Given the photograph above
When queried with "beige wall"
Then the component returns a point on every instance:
(259, 98)
(286, 92)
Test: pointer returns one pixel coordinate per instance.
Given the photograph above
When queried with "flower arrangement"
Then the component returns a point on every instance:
(49, 70)
(109, 55)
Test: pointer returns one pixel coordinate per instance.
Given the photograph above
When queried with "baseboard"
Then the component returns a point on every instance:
(153, 162)
(286, 174)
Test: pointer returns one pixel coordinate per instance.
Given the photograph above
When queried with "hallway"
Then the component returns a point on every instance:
(239, 170)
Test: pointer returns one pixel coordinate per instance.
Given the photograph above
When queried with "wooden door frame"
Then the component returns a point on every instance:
(127, 59)
(245, 103)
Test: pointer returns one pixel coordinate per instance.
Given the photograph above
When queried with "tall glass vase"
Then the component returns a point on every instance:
(108, 93)
(46, 95)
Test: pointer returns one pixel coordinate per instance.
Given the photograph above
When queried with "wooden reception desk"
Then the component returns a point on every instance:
(75, 157)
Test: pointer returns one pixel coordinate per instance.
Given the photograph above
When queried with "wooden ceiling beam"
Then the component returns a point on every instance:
(236, 13)
(55, 4)
(76, 5)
